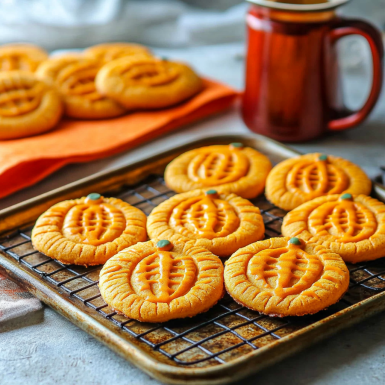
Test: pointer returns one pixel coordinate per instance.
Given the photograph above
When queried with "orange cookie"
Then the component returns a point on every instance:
(28, 106)
(74, 77)
(24, 57)
(353, 227)
(156, 281)
(145, 82)
(286, 277)
(230, 169)
(301, 179)
(105, 53)
(220, 223)
(88, 231)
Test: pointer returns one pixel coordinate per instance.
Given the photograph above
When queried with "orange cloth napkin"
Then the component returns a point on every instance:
(24, 162)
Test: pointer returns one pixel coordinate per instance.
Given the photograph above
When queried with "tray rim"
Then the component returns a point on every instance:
(133, 353)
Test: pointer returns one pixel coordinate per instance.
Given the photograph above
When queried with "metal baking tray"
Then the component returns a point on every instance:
(226, 343)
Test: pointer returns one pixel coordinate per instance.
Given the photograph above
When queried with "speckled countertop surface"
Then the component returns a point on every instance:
(47, 349)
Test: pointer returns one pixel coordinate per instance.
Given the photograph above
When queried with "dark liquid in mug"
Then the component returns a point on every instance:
(292, 81)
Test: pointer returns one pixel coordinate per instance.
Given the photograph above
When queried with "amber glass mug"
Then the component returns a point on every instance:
(293, 86)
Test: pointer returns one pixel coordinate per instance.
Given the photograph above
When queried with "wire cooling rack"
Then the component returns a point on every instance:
(225, 332)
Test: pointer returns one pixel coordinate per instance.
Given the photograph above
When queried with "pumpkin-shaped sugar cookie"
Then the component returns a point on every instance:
(231, 168)
(107, 52)
(352, 226)
(219, 222)
(28, 106)
(145, 82)
(23, 57)
(298, 180)
(88, 231)
(286, 277)
(156, 281)
(74, 77)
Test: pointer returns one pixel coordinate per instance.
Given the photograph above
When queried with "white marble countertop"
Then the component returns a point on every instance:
(45, 348)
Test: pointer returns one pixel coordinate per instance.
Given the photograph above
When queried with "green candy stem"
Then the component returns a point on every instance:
(237, 145)
(346, 196)
(93, 196)
(323, 157)
(163, 243)
(295, 241)
(211, 192)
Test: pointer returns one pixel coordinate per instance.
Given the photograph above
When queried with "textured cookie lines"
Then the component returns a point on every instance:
(315, 177)
(204, 216)
(24, 57)
(105, 53)
(221, 223)
(20, 94)
(94, 222)
(227, 168)
(285, 277)
(352, 226)
(88, 231)
(146, 82)
(151, 284)
(345, 219)
(28, 106)
(284, 271)
(148, 71)
(212, 168)
(74, 77)
(298, 180)
(163, 276)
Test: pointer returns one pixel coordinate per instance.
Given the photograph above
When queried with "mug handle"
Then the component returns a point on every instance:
(347, 27)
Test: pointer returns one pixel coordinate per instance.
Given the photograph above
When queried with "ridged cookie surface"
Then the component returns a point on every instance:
(156, 281)
(107, 52)
(23, 57)
(298, 180)
(28, 106)
(286, 277)
(145, 82)
(219, 222)
(74, 77)
(229, 169)
(88, 231)
(352, 226)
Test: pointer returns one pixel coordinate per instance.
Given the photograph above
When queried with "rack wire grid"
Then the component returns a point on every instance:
(227, 331)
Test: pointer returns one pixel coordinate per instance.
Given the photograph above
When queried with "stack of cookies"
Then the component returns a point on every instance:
(179, 273)
(103, 81)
